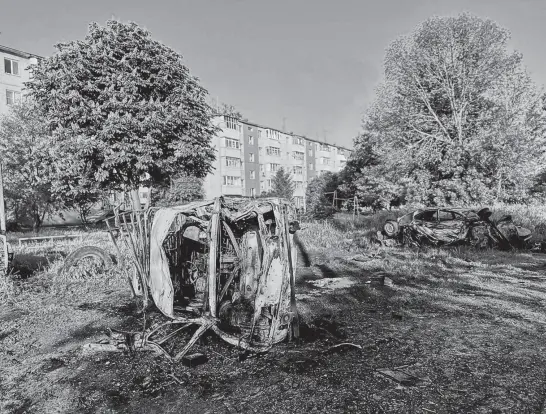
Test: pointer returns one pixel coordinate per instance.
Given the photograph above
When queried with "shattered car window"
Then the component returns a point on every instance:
(429, 215)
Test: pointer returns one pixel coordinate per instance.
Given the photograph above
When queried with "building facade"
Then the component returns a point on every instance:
(249, 155)
(13, 75)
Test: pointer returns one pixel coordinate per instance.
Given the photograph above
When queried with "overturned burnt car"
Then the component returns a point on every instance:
(225, 265)
(455, 226)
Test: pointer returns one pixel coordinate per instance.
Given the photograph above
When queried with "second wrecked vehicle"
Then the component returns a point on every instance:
(454, 226)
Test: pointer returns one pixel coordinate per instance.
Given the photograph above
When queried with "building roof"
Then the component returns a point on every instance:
(247, 122)
(18, 53)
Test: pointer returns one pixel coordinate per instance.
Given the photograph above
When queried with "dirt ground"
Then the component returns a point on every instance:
(470, 326)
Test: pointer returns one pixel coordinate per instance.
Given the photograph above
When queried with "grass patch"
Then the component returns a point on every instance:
(469, 323)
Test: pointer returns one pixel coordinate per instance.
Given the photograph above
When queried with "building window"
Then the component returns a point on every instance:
(11, 66)
(12, 97)
(262, 168)
(250, 140)
(310, 152)
(252, 174)
(253, 192)
(273, 151)
(297, 170)
(250, 128)
(324, 147)
(233, 162)
(297, 155)
(251, 156)
(232, 143)
(298, 185)
(259, 133)
(271, 133)
(232, 181)
(325, 160)
(269, 183)
(298, 201)
(231, 123)
(273, 167)
(297, 141)
(311, 166)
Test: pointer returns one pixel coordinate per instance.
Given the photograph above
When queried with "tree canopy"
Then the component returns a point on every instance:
(182, 189)
(317, 204)
(282, 185)
(123, 108)
(457, 119)
(27, 162)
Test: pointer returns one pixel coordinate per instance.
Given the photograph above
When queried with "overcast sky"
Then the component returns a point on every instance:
(314, 62)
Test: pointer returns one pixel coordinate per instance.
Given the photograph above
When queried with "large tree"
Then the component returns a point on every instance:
(27, 162)
(319, 194)
(457, 119)
(282, 185)
(124, 109)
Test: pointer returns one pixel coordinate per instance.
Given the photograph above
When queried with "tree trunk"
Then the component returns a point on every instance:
(135, 199)
(36, 223)
(499, 187)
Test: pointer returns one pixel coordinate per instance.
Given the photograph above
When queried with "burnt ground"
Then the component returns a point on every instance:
(469, 326)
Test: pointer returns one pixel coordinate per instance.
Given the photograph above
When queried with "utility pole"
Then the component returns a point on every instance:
(2, 211)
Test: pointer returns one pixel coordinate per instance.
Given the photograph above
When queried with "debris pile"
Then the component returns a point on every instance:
(226, 265)
(456, 226)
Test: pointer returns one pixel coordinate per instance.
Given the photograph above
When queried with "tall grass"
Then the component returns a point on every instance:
(36, 272)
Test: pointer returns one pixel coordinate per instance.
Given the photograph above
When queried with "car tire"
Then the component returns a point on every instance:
(84, 252)
(391, 228)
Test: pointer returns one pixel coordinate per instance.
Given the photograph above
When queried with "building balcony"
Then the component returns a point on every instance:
(232, 190)
(230, 152)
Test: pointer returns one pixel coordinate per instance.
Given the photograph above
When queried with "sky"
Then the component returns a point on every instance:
(310, 65)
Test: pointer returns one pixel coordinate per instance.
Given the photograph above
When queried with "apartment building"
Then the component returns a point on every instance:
(249, 155)
(13, 75)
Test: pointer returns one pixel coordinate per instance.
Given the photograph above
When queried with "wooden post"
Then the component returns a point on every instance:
(2, 210)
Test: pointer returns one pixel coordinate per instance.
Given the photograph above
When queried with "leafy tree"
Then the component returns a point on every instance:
(457, 119)
(318, 204)
(282, 185)
(229, 110)
(124, 109)
(26, 159)
(181, 190)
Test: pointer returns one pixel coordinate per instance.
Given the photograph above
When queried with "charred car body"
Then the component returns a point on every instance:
(455, 226)
(226, 265)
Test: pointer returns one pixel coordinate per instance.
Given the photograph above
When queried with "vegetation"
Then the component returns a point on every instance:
(181, 190)
(318, 202)
(123, 110)
(27, 162)
(282, 185)
(456, 121)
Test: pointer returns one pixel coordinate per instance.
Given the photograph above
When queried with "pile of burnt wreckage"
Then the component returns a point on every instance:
(457, 226)
(225, 265)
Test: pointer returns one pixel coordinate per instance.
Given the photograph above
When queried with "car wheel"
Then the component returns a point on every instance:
(391, 228)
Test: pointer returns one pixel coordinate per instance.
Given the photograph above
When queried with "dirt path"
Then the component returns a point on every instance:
(471, 330)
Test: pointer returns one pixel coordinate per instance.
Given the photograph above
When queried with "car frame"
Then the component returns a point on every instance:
(441, 226)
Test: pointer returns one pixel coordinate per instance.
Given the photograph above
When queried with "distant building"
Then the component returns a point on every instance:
(13, 75)
(249, 155)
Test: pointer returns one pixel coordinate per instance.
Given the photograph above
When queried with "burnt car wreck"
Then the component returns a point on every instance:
(455, 226)
(226, 265)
